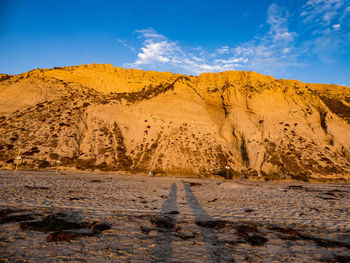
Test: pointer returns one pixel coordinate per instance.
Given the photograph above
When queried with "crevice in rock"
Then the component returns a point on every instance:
(244, 153)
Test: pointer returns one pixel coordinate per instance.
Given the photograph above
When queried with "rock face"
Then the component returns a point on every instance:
(103, 117)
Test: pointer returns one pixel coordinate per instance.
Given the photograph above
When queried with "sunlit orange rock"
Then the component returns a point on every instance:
(109, 118)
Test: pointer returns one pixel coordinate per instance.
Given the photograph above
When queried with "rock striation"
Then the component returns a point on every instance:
(103, 117)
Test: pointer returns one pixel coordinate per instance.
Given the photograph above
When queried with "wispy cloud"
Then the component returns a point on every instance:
(327, 25)
(322, 12)
(150, 33)
(123, 43)
(159, 52)
(273, 52)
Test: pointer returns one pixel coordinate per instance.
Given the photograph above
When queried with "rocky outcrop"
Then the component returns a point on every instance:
(102, 117)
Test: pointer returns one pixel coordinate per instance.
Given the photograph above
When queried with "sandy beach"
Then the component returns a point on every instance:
(109, 217)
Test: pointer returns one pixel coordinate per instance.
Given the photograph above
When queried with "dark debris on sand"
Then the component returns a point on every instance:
(297, 187)
(217, 224)
(36, 187)
(67, 235)
(50, 223)
(213, 200)
(292, 234)
(194, 184)
(250, 233)
(163, 222)
(96, 181)
(247, 231)
(59, 236)
(173, 212)
(63, 229)
(76, 198)
(6, 216)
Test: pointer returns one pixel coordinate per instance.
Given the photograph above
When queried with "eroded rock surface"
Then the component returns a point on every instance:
(108, 118)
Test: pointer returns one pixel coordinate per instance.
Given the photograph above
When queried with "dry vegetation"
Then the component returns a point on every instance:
(98, 117)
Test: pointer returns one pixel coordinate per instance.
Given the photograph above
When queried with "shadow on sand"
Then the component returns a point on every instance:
(165, 223)
(217, 250)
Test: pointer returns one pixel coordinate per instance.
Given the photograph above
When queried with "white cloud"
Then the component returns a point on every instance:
(269, 54)
(153, 53)
(223, 50)
(286, 50)
(336, 26)
(159, 53)
(273, 52)
(278, 21)
(275, 16)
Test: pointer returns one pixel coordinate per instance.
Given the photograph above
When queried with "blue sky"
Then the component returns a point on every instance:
(308, 40)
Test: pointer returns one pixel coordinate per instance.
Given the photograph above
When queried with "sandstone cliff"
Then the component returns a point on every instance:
(103, 117)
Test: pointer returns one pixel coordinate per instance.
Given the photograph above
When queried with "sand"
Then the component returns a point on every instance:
(165, 219)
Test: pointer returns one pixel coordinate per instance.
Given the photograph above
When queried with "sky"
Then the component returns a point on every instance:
(308, 40)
